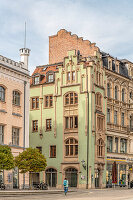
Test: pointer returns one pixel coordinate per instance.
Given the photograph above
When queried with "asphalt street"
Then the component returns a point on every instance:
(103, 194)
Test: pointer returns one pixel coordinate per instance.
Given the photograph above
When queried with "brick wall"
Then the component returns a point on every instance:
(61, 43)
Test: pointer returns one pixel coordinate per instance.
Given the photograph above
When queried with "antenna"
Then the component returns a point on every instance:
(25, 37)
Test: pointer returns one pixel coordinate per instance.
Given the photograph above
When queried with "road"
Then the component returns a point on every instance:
(103, 194)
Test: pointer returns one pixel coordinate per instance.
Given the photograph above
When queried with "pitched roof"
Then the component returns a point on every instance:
(43, 70)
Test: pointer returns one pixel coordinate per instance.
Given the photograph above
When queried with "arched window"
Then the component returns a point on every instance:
(100, 146)
(2, 93)
(71, 98)
(123, 91)
(71, 147)
(99, 99)
(16, 98)
(108, 90)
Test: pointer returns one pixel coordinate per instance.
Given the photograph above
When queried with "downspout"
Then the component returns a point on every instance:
(24, 130)
(87, 134)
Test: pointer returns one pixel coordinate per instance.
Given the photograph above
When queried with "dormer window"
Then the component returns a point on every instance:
(50, 78)
(36, 80)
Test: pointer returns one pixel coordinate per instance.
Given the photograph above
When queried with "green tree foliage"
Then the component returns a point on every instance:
(6, 158)
(30, 160)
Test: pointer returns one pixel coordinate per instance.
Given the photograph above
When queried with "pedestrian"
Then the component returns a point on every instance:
(65, 183)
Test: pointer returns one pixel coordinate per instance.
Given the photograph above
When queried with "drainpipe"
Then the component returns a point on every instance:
(24, 130)
(87, 167)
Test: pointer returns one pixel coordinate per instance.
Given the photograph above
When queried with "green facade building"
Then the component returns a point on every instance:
(68, 120)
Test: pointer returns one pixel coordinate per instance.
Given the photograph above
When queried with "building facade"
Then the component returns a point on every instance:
(14, 112)
(81, 114)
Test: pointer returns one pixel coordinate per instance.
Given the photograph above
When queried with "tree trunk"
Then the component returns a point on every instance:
(30, 183)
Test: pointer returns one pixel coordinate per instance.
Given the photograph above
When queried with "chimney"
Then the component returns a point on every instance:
(24, 53)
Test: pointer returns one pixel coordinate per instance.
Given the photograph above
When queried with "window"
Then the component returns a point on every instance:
(39, 149)
(2, 93)
(16, 98)
(131, 95)
(35, 125)
(108, 115)
(99, 100)
(35, 103)
(123, 91)
(48, 101)
(73, 76)
(1, 134)
(100, 123)
(100, 148)
(109, 144)
(108, 90)
(122, 119)
(48, 124)
(123, 145)
(71, 122)
(68, 76)
(116, 145)
(116, 92)
(36, 80)
(53, 151)
(15, 136)
(115, 117)
(50, 78)
(71, 147)
(71, 98)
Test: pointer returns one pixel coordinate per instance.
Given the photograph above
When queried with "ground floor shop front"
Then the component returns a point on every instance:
(124, 174)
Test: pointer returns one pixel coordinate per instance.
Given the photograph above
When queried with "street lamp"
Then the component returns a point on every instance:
(83, 164)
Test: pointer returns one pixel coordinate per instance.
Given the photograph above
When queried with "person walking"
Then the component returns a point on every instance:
(65, 183)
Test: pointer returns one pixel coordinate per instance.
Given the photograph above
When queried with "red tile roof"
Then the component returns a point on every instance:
(42, 70)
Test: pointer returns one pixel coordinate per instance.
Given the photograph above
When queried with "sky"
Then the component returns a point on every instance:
(108, 23)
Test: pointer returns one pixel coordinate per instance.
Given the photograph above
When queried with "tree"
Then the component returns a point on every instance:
(6, 158)
(30, 160)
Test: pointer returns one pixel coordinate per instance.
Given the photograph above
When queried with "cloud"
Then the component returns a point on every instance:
(108, 23)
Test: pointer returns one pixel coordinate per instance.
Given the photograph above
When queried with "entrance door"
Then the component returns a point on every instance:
(97, 179)
(15, 178)
(71, 175)
(51, 177)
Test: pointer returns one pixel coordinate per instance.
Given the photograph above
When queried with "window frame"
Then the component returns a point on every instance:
(71, 149)
(71, 120)
(36, 125)
(16, 98)
(2, 93)
(49, 127)
(52, 151)
(15, 138)
(71, 97)
(36, 102)
(2, 133)
(100, 148)
(48, 99)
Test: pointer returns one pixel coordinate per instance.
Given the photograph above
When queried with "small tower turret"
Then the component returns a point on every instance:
(24, 53)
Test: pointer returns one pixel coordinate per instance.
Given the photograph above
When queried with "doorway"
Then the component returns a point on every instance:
(51, 177)
(71, 175)
(97, 178)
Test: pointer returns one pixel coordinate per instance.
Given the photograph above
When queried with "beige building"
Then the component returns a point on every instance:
(14, 112)
(119, 94)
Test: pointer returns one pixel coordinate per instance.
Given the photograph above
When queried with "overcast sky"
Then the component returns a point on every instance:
(108, 23)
